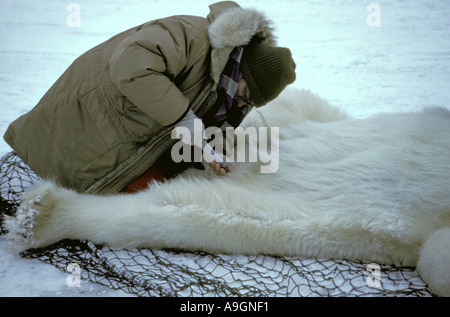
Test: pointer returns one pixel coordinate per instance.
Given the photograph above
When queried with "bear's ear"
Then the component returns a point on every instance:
(434, 262)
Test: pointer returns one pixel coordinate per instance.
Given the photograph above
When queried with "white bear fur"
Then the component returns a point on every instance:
(434, 262)
(374, 189)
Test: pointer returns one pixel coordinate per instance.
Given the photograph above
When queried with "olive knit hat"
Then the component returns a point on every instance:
(267, 70)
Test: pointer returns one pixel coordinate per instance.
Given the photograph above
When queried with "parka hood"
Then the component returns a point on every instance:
(232, 25)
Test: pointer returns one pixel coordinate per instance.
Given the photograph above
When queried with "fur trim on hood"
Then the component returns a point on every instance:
(237, 26)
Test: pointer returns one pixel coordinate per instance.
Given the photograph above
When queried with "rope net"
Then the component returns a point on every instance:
(156, 273)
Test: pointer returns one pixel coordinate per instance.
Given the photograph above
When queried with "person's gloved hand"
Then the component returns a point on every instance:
(194, 125)
(190, 130)
(218, 163)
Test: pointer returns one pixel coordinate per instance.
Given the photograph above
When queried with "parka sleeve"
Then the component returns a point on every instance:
(142, 68)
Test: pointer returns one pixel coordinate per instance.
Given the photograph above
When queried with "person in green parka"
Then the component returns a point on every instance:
(107, 121)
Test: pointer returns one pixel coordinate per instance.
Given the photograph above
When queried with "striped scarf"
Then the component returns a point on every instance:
(227, 113)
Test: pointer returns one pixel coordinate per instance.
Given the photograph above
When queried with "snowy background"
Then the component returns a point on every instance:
(400, 64)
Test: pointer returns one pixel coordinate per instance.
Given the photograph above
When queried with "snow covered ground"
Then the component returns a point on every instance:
(364, 56)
